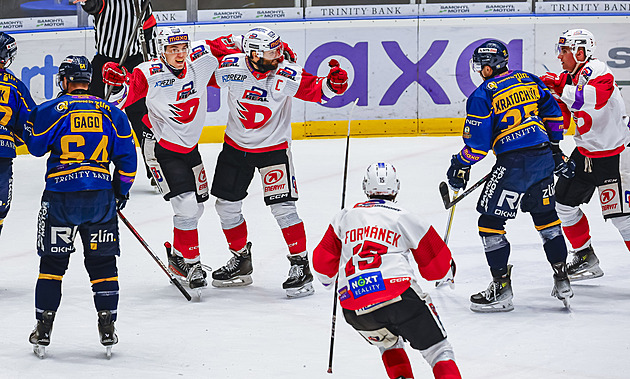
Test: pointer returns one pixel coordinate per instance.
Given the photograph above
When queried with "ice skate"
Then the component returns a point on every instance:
(496, 298)
(40, 337)
(237, 272)
(176, 264)
(197, 278)
(300, 280)
(107, 332)
(561, 287)
(584, 265)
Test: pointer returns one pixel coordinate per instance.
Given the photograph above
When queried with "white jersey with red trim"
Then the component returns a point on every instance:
(176, 104)
(369, 246)
(260, 103)
(598, 110)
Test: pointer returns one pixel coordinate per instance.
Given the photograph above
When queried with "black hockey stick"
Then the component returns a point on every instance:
(129, 43)
(343, 204)
(155, 257)
(446, 196)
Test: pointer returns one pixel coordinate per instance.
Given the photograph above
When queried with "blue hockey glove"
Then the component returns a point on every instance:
(121, 201)
(458, 174)
(565, 166)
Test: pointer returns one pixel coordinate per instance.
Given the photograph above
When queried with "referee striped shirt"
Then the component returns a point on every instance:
(113, 23)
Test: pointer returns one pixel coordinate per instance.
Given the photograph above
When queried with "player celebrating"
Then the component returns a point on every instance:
(515, 115)
(15, 106)
(175, 89)
(83, 134)
(587, 91)
(261, 84)
(378, 292)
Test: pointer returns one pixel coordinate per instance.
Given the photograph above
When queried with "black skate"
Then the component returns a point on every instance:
(196, 277)
(300, 281)
(176, 264)
(561, 286)
(496, 298)
(238, 270)
(40, 337)
(584, 265)
(107, 332)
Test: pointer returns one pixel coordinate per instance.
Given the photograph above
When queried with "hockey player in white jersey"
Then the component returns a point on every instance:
(175, 89)
(586, 91)
(367, 248)
(261, 85)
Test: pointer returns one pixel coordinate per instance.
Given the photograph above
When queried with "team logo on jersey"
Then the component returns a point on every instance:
(287, 73)
(587, 72)
(492, 86)
(366, 284)
(164, 83)
(4, 94)
(255, 94)
(61, 107)
(198, 52)
(229, 62)
(184, 112)
(253, 116)
(187, 90)
(155, 68)
(86, 122)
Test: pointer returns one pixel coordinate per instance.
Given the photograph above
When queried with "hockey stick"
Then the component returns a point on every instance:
(128, 46)
(449, 224)
(155, 257)
(446, 197)
(140, 31)
(343, 204)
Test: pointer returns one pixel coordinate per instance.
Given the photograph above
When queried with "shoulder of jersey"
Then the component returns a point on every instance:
(152, 67)
(290, 71)
(198, 49)
(6, 76)
(233, 60)
(593, 69)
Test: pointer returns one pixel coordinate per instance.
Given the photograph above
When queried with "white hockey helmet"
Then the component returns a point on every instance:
(381, 179)
(576, 38)
(262, 39)
(171, 35)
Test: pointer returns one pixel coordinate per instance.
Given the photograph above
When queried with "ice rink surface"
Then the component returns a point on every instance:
(256, 332)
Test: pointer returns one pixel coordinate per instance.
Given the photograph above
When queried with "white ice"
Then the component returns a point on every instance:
(256, 332)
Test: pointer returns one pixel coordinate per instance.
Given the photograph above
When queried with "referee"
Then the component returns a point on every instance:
(113, 23)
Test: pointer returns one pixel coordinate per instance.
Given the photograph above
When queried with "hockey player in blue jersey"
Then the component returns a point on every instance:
(83, 134)
(515, 115)
(15, 106)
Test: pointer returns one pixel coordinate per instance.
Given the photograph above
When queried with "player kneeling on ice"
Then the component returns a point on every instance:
(175, 89)
(513, 113)
(83, 134)
(261, 84)
(366, 248)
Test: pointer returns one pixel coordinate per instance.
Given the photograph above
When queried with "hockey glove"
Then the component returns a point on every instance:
(121, 201)
(288, 54)
(556, 83)
(450, 276)
(458, 174)
(565, 166)
(337, 78)
(114, 75)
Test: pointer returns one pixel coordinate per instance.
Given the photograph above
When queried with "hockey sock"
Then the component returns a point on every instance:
(295, 237)
(187, 243)
(48, 288)
(446, 370)
(104, 278)
(579, 235)
(397, 363)
(237, 236)
(556, 250)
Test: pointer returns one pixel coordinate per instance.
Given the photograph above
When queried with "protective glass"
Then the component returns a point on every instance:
(176, 50)
(475, 66)
(273, 54)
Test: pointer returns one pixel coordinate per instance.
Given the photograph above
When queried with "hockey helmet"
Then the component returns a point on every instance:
(171, 35)
(381, 179)
(8, 49)
(576, 38)
(260, 40)
(75, 68)
(491, 53)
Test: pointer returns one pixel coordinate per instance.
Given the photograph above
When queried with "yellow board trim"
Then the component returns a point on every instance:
(112, 279)
(50, 277)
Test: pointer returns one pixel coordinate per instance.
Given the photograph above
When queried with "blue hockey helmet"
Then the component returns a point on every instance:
(75, 68)
(8, 49)
(491, 53)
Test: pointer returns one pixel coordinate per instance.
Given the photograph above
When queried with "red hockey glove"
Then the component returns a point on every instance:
(337, 78)
(556, 83)
(114, 75)
(288, 54)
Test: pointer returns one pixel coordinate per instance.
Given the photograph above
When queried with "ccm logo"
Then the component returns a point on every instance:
(273, 176)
